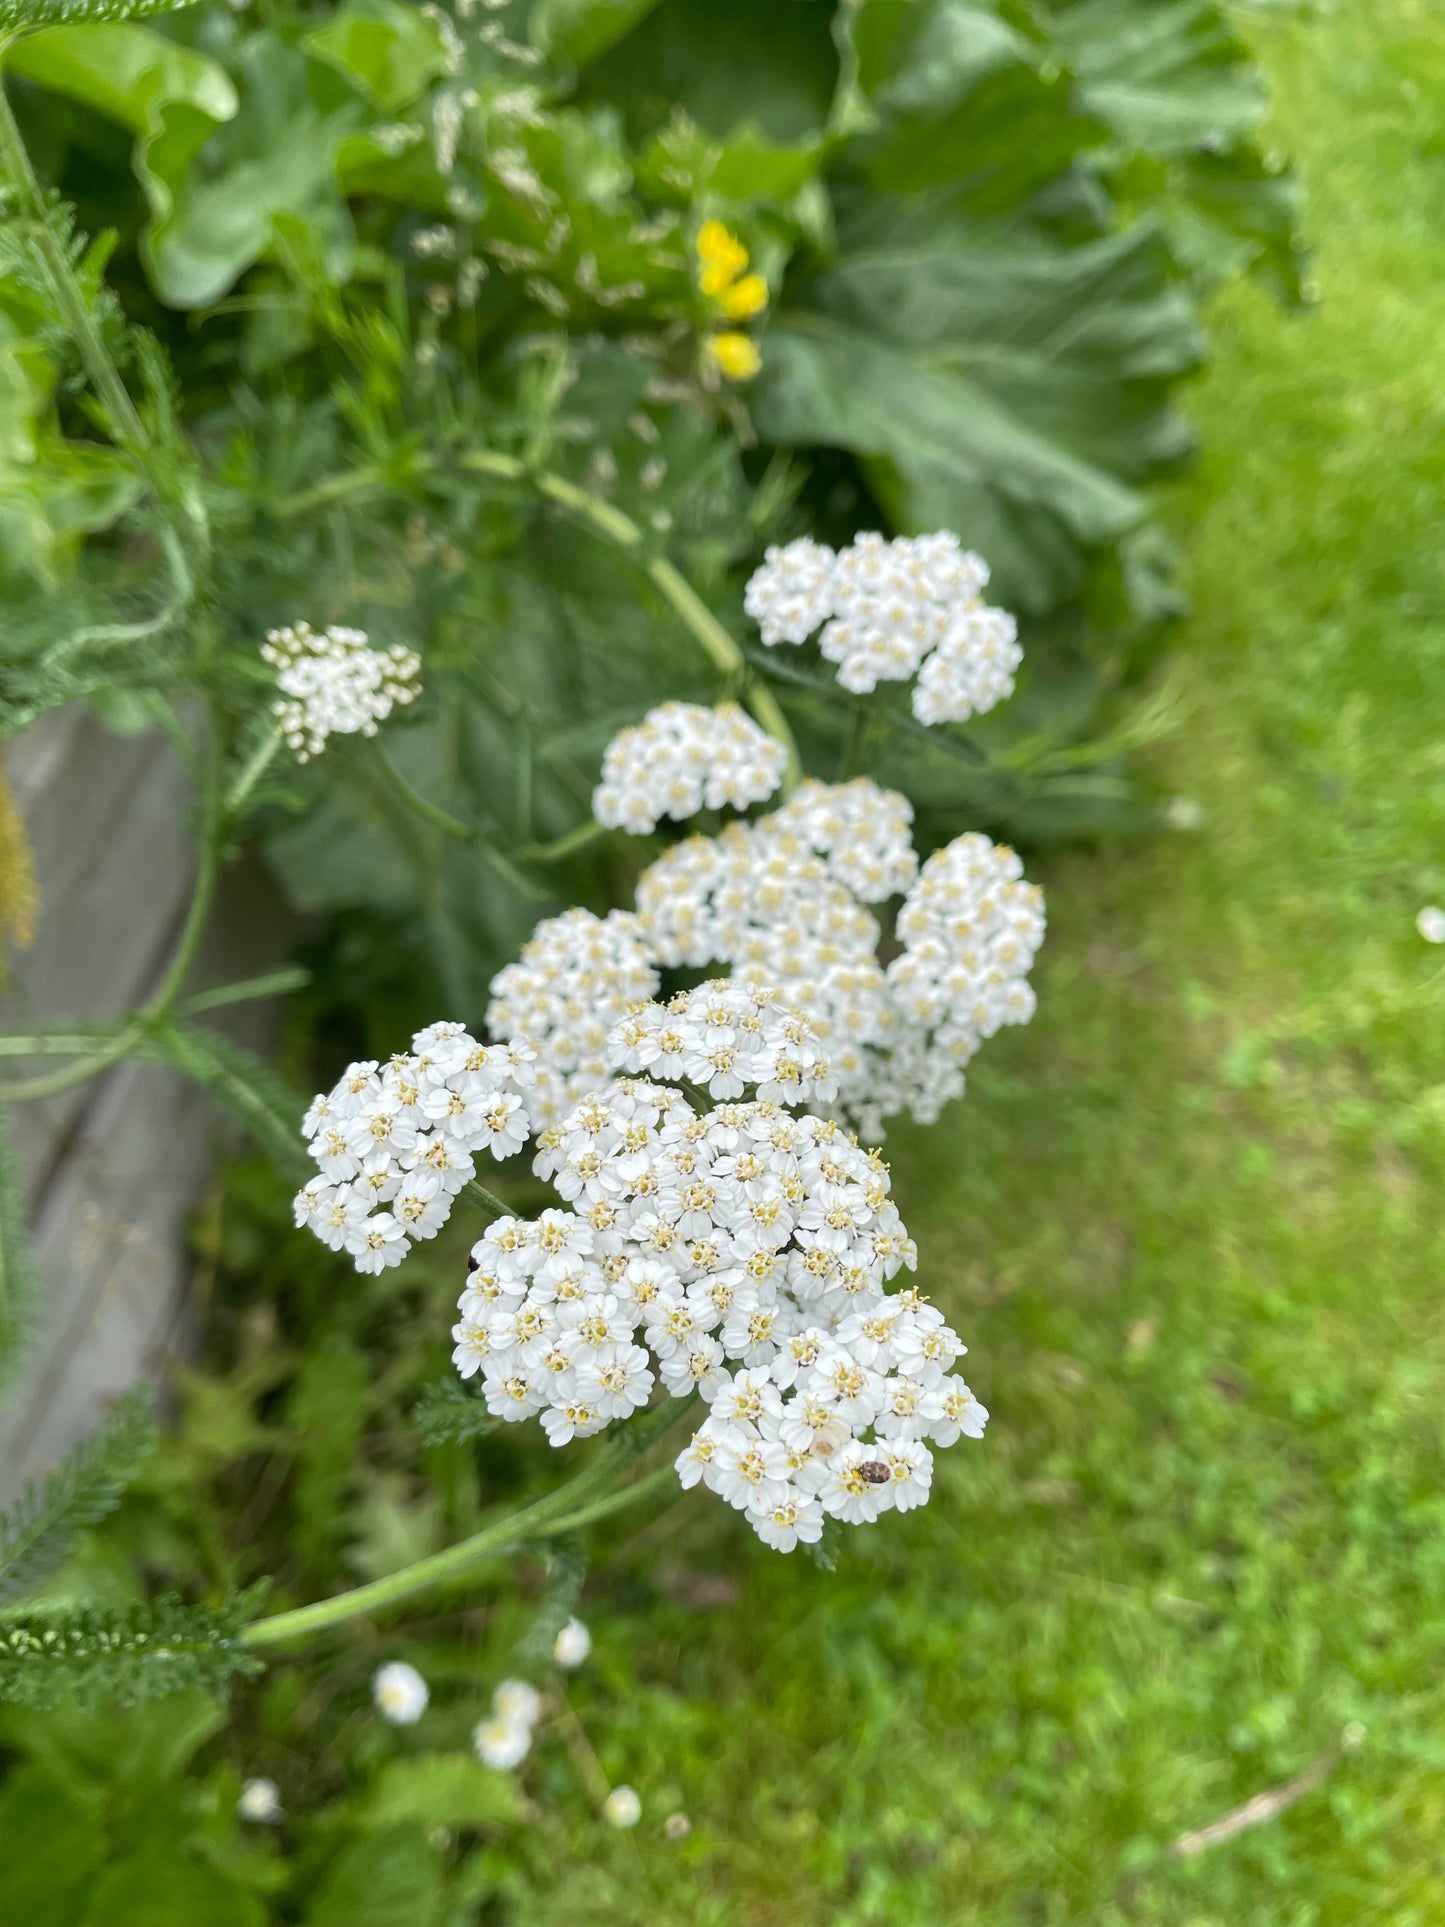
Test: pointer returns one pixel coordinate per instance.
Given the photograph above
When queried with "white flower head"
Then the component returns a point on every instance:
(622, 1808)
(260, 1801)
(572, 1645)
(576, 976)
(502, 1743)
(683, 758)
(890, 611)
(395, 1145)
(515, 1700)
(400, 1693)
(744, 1252)
(1431, 924)
(335, 684)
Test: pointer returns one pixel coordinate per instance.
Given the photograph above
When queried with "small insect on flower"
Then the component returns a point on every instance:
(260, 1801)
(400, 1693)
(874, 1472)
(622, 1808)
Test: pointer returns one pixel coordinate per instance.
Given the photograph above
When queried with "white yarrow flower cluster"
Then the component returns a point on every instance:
(791, 595)
(576, 976)
(335, 684)
(395, 1143)
(783, 902)
(890, 611)
(743, 1253)
(683, 758)
(505, 1739)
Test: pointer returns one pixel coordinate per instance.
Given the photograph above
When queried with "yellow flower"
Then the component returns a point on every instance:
(748, 297)
(736, 355)
(722, 255)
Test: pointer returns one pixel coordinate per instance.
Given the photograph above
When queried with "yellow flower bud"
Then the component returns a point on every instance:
(748, 297)
(722, 255)
(736, 355)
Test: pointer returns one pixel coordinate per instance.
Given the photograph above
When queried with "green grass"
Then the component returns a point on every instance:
(1192, 1223)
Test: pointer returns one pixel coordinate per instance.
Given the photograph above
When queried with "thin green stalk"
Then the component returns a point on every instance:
(260, 761)
(61, 1043)
(563, 846)
(674, 587)
(560, 1511)
(22, 1090)
(454, 827)
(273, 983)
(208, 866)
(488, 1200)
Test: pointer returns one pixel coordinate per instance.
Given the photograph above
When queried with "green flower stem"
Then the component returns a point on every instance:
(577, 1503)
(676, 590)
(23, 1090)
(488, 1200)
(454, 827)
(59, 1043)
(274, 983)
(250, 776)
(125, 422)
(564, 846)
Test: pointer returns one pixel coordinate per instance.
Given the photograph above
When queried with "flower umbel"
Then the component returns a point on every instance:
(682, 758)
(334, 684)
(394, 1144)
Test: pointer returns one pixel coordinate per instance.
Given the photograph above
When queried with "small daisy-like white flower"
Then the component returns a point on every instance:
(515, 1700)
(260, 1802)
(622, 1808)
(335, 684)
(683, 758)
(572, 1645)
(400, 1693)
(502, 1743)
(1431, 924)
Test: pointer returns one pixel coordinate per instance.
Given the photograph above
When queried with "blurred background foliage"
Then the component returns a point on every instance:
(364, 242)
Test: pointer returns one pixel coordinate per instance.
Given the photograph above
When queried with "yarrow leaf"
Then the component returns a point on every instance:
(80, 13)
(37, 1530)
(448, 1414)
(245, 1088)
(146, 1651)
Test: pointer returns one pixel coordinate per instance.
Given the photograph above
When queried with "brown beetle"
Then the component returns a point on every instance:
(874, 1472)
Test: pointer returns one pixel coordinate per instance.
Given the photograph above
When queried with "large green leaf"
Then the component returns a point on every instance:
(441, 1790)
(389, 1879)
(276, 158)
(580, 30)
(992, 380)
(1173, 81)
(945, 92)
(388, 50)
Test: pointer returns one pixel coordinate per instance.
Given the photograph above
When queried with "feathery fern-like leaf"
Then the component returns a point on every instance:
(147, 1651)
(245, 1089)
(37, 1531)
(448, 1414)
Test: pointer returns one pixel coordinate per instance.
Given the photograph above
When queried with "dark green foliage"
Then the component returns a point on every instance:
(119, 1656)
(37, 1531)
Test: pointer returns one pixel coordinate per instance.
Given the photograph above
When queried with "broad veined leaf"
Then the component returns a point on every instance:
(993, 380)
(388, 50)
(945, 92)
(172, 99)
(580, 30)
(1174, 81)
(216, 217)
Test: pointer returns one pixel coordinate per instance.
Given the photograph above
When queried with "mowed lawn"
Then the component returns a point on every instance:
(1192, 1224)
